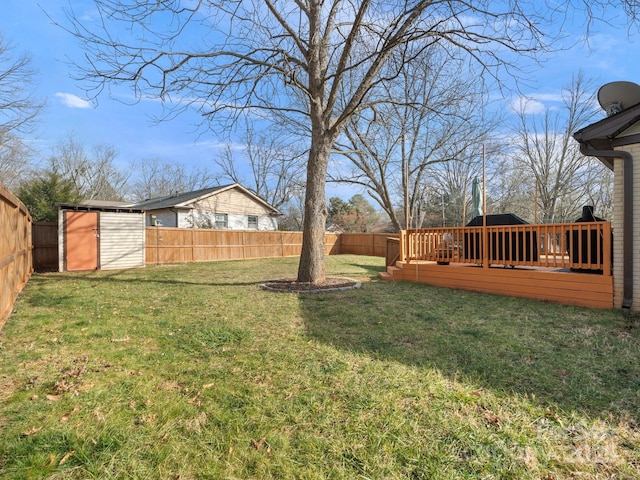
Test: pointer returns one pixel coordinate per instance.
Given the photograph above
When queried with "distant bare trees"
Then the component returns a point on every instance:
(418, 144)
(15, 160)
(156, 178)
(94, 174)
(19, 109)
(272, 164)
(548, 161)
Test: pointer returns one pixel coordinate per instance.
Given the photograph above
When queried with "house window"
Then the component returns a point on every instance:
(221, 220)
(253, 222)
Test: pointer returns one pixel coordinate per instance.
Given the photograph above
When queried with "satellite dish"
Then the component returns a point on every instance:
(616, 96)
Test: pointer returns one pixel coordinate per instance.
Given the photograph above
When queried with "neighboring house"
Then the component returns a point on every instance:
(230, 207)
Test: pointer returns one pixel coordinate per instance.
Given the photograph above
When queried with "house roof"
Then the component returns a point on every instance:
(184, 200)
(605, 134)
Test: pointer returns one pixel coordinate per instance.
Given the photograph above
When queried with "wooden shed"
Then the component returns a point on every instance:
(100, 238)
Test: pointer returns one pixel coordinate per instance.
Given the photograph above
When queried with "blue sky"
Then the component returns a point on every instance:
(612, 55)
(126, 127)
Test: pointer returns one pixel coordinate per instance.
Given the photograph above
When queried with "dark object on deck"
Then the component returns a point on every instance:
(583, 247)
(505, 246)
(497, 219)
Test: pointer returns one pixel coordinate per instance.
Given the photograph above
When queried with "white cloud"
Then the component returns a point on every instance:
(73, 101)
(527, 105)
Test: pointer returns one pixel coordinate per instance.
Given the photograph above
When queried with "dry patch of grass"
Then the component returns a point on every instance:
(194, 371)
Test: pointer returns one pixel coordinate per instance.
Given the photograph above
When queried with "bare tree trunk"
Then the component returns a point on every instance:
(312, 266)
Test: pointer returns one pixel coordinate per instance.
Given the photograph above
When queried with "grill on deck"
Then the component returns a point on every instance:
(504, 246)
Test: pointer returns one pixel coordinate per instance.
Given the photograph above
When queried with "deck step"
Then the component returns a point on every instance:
(385, 276)
(391, 273)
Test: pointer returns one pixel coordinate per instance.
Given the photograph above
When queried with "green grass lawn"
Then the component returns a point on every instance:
(194, 372)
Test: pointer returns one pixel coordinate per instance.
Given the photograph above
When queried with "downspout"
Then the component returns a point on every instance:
(627, 217)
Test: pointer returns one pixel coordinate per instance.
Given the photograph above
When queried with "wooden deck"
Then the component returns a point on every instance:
(564, 263)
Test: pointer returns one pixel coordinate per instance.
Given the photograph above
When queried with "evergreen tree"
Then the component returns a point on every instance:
(41, 194)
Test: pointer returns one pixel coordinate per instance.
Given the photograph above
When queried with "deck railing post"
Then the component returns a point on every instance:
(606, 249)
(485, 245)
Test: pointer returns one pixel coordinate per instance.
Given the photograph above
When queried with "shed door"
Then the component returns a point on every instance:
(81, 240)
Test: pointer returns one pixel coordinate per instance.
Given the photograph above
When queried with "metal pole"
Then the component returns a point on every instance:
(406, 195)
(485, 236)
(535, 205)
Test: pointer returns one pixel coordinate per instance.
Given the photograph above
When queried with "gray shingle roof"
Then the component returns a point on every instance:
(182, 200)
(171, 201)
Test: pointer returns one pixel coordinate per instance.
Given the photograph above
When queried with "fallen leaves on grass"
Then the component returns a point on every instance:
(120, 340)
(66, 416)
(66, 457)
(31, 431)
(258, 444)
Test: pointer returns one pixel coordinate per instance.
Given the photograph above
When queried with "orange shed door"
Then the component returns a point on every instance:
(81, 240)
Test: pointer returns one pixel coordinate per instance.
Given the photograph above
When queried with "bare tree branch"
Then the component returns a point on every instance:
(316, 62)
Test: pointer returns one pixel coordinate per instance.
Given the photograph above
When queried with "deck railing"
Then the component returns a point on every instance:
(580, 246)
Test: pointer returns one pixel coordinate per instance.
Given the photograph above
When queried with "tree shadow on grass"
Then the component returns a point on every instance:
(561, 357)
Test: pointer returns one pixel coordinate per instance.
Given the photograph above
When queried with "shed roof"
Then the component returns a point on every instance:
(98, 208)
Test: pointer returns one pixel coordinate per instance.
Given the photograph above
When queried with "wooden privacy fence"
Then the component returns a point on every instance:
(180, 245)
(15, 250)
(579, 245)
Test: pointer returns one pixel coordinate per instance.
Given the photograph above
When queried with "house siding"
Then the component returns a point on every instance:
(234, 222)
(618, 228)
(236, 205)
(165, 218)
(232, 201)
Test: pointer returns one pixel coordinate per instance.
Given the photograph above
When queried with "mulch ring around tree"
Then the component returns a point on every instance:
(291, 285)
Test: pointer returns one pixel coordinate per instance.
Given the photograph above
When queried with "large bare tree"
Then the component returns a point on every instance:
(313, 61)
